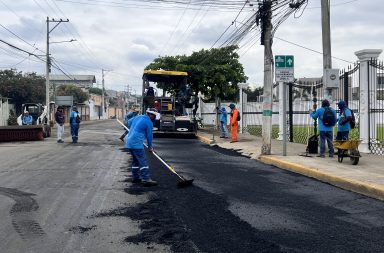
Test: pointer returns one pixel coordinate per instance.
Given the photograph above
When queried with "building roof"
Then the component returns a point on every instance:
(90, 78)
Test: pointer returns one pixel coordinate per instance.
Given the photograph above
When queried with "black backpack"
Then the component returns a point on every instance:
(352, 122)
(238, 116)
(329, 118)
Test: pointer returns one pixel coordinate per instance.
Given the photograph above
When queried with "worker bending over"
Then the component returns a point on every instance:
(140, 128)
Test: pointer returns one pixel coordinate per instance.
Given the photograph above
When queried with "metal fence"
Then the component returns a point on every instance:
(303, 94)
(376, 106)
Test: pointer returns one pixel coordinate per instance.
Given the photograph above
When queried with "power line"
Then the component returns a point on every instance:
(174, 30)
(22, 50)
(222, 5)
(307, 48)
(230, 24)
(20, 38)
(82, 43)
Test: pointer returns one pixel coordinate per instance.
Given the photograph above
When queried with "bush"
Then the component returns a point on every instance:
(12, 120)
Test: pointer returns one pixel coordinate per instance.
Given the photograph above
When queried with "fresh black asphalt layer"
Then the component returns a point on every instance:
(240, 205)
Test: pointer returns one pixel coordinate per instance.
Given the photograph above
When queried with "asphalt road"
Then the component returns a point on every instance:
(78, 198)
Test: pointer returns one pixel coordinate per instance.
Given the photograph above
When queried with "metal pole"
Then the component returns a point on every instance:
(346, 87)
(290, 108)
(47, 66)
(284, 119)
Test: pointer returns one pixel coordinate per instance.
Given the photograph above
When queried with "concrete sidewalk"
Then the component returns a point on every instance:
(367, 177)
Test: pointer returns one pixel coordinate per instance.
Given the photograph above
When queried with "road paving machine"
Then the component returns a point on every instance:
(174, 110)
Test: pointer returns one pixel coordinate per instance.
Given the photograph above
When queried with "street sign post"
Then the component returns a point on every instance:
(284, 68)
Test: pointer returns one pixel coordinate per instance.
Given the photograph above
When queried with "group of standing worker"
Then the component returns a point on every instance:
(74, 122)
(327, 120)
(233, 121)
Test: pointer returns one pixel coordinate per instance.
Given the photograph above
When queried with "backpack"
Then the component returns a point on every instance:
(78, 118)
(329, 118)
(238, 117)
(352, 122)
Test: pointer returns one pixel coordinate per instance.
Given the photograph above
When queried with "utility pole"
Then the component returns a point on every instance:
(48, 65)
(102, 92)
(266, 40)
(326, 36)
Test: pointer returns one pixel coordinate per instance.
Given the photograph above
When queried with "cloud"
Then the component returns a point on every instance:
(127, 37)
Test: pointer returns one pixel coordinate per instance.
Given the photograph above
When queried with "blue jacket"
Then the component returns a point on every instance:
(129, 116)
(319, 115)
(130, 121)
(140, 129)
(224, 115)
(346, 126)
(72, 119)
(27, 120)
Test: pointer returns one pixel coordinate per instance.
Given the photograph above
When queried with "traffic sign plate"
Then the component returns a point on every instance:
(284, 71)
(284, 61)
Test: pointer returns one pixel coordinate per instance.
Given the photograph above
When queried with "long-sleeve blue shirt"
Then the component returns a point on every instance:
(319, 114)
(27, 120)
(72, 119)
(224, 115)
(140, 129)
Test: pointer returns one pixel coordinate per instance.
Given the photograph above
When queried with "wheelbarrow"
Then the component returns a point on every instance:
(348, 148)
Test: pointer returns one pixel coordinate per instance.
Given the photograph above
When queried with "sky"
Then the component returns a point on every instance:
(122, 37)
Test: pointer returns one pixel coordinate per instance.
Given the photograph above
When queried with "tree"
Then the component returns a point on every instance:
(79, 96)
(223, 72)
(254, 95)
(214, 73)
(21, 89)
(96, 91)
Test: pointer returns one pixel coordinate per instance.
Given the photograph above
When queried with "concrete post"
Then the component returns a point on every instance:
(364, 123)
(241, 110)
(199, 108)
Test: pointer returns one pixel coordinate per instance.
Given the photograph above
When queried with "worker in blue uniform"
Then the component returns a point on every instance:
(140, 128)
(74, 121)
(27, 119)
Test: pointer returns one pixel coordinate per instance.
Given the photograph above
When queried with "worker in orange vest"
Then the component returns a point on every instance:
(235, 117)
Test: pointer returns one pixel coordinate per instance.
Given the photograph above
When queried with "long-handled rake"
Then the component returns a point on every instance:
(184, 182)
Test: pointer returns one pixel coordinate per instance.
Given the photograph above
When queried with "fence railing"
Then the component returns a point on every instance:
(303, 95)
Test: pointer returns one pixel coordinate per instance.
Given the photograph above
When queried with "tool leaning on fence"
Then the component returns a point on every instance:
(184, 182)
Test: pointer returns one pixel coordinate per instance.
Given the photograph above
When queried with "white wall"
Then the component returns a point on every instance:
(4, 112)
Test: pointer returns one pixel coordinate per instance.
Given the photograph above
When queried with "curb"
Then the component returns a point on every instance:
(370, 190)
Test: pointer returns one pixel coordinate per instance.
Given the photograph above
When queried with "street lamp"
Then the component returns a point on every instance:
(71, 40)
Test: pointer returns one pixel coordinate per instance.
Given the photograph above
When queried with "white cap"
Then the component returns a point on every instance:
(152, 111)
